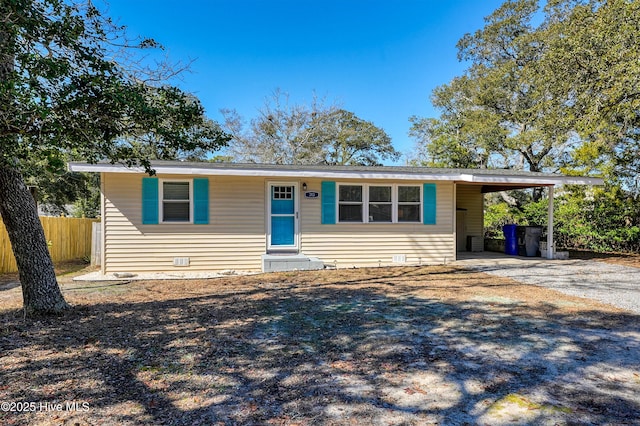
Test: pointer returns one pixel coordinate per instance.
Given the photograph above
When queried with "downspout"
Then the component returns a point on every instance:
(550, 242)
(454, 221)
(103, 226)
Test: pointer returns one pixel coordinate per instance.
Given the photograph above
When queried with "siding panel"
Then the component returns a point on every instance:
(471, 199)
(235, 237)
(368, 244)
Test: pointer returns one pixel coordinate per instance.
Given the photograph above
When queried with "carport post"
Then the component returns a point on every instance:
(550, 225)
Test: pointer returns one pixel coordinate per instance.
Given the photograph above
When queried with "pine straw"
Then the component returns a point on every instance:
(405, 345)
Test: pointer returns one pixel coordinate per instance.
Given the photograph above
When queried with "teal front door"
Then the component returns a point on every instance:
(283, 216)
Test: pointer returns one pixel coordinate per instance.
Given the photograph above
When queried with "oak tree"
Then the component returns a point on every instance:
(71, 85)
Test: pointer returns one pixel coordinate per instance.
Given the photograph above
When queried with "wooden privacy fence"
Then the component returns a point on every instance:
(68, 238)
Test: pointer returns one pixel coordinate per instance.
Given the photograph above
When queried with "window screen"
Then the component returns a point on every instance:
(408, 204)
(380, 204)
(350, 203)
(176, 205)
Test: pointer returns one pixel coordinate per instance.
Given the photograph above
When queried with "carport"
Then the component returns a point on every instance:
(469, 196)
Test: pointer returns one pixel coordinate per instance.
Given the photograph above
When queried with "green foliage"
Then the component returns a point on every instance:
(600, 219)
(68, 93)
(606, 220)
(347, 139)
(497, 215)
(546, 90)
(549, 89)
(57, 190)
(66, 89)
(536, 212)
(594, 62)
(495, 114)
(448, 144)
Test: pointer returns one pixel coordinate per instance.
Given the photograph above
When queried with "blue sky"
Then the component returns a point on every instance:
(378, 59)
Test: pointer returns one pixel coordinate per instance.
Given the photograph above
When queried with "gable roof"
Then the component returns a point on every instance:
(498, 177)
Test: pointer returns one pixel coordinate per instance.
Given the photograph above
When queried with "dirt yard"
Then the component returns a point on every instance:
(385, 346)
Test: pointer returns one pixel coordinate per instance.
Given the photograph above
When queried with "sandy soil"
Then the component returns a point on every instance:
(407, 345)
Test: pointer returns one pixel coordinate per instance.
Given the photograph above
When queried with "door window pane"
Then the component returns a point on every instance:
(283, 192)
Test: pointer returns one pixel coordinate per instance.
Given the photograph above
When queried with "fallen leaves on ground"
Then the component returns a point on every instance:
(405, 345)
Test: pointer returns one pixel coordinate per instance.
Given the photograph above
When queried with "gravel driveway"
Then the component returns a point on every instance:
(613, 284)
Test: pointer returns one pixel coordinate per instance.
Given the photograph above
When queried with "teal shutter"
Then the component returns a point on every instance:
(328, 202)
(429, 203)
(201, 201)
(150, 201)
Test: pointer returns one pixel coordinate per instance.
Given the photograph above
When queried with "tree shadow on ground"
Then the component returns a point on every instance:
(377, 350)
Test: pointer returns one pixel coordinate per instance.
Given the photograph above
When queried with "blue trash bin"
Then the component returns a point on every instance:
(511, 240)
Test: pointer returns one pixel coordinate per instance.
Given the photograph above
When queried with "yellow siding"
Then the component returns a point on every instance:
(367, 244)
(235, 238)
(471, 199)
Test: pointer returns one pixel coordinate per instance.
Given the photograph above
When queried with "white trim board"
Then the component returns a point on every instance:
(385, 173)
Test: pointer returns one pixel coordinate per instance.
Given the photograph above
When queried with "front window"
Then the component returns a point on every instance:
(408, 204)
(378, 203)
(176, 201)
(350, 203)
(380, 206)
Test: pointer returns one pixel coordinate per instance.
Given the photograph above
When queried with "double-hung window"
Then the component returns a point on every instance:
(350, 204)
(376, 203)
(380, 204)
(176, 201)
(408, 203)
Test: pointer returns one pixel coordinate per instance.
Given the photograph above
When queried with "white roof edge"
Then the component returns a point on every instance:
(542, 180)
(270, 172)
(117, 168)
(580, 180)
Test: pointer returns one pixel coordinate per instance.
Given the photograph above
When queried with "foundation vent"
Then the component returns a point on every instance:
(180, 261)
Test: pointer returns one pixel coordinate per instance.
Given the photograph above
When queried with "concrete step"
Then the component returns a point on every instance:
(290, 262)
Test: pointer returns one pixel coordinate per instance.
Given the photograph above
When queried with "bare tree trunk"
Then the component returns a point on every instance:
(40, 291)
(511, 201)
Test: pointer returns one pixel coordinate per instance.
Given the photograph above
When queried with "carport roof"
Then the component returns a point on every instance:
(491, 179)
